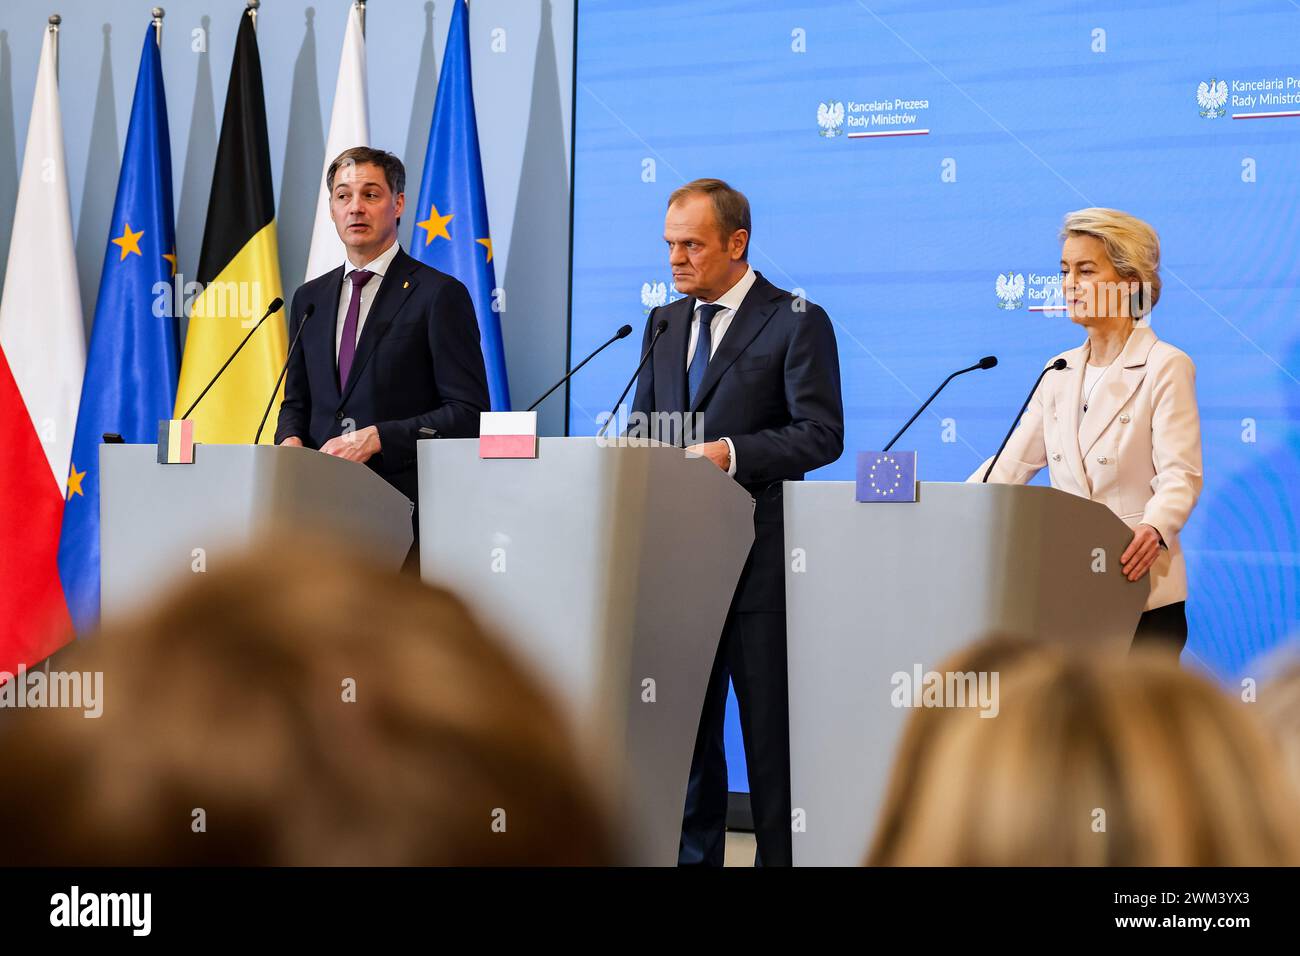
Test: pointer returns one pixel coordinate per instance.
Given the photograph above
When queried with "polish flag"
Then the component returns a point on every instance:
(42, 360)
(507, 435)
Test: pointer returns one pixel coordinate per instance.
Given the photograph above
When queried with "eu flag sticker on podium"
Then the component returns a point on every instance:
(886, 476)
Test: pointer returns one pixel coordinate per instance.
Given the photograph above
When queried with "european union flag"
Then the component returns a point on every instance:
(132, 363)
(886, 476)
(452, 231)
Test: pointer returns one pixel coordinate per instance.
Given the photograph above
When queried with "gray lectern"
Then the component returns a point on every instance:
(153, 517)
(610, 570)
(881, 588)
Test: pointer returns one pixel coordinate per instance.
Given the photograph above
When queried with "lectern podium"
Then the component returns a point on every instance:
(610, 570)
(153, 517)
(885, 588)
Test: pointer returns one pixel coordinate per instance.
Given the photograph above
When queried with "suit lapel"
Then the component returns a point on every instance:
(758, 306)
(395, 288)
(324, 328)
(673, 345)
(1066, 395)
(1116, 387)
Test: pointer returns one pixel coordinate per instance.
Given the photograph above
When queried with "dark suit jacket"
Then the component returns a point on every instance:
(418, 364)
(773, 388)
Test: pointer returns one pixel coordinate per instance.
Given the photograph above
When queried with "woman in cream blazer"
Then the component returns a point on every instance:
(1119, 424)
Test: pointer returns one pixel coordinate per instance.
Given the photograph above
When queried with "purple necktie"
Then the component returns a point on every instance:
(348, 345)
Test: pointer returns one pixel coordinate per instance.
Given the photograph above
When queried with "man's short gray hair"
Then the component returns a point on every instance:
(730, 207)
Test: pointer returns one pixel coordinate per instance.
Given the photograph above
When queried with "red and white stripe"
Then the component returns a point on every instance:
(1275, 115)
(507, 435)
(890, 132)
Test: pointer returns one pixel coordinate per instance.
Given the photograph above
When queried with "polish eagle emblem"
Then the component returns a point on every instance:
(1011, 290)
(653, 295)
(1212, 98)
(830, 117)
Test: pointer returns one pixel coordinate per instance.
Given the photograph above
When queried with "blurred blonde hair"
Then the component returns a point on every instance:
(1181, 774)
(229, 696)
(1132, 245)
(1279, 705)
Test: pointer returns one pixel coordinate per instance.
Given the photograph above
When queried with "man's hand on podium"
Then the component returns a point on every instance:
(718, 452)
(293, 441)
(356, 446)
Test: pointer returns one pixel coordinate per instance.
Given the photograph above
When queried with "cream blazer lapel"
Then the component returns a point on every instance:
(1065, 402)
(1116, 387)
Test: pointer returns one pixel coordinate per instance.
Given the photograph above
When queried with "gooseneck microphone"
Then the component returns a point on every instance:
(622, 333)
(987, 361)
(1054, 367)
(307, 314)
(659, 330)
(276, 305)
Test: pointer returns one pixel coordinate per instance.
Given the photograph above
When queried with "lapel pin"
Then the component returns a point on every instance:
(406, 285)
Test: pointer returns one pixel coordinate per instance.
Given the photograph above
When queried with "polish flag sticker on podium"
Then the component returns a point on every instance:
(507, 435)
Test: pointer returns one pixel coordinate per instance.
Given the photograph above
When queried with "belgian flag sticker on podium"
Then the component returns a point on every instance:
(239, 269)
(176, 441)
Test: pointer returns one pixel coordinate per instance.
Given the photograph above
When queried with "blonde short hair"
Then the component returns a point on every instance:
(1279, 705)
(1131, 244)
(1184, 774)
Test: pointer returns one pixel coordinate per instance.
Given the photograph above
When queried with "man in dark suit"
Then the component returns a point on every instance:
(392, 345)
(760, 368)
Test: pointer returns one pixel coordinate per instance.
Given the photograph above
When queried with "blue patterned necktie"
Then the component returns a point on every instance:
(703, 346)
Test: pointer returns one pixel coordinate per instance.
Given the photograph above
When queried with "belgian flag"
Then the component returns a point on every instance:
(239, 269)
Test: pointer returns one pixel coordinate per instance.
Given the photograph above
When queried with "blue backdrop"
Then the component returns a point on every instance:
(1015, 113)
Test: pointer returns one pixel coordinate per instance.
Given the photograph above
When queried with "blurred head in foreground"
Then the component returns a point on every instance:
(1091, 760)
(1279, 705)
(298, 708)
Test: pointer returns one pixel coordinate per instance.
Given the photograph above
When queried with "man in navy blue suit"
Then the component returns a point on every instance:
(760, 368)
(391, 346)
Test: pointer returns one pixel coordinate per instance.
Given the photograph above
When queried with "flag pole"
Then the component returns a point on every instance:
(361, 8)
(55, 20)
(158, 13)
(252, 11)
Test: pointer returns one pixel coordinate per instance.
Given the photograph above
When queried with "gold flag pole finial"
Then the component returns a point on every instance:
(158, 13)
(252, 11)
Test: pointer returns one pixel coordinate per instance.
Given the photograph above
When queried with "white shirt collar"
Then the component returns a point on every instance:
(732, 298)
(378, 265)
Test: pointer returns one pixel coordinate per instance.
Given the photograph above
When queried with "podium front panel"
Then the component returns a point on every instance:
(883, 588)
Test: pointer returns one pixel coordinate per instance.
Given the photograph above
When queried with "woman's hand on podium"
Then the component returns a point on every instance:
(1141, 552)
(293, 441)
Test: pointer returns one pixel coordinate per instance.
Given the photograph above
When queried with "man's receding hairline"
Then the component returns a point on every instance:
(713, 210)
(382, 177)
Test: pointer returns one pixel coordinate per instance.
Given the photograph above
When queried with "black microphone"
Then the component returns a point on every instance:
(659, 330)
(276, 304)
(311, 307)
(622, 333)
(1054, 367)
(987, 361)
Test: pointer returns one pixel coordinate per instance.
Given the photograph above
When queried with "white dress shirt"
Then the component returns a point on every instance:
(730, 302)
(378, 265)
